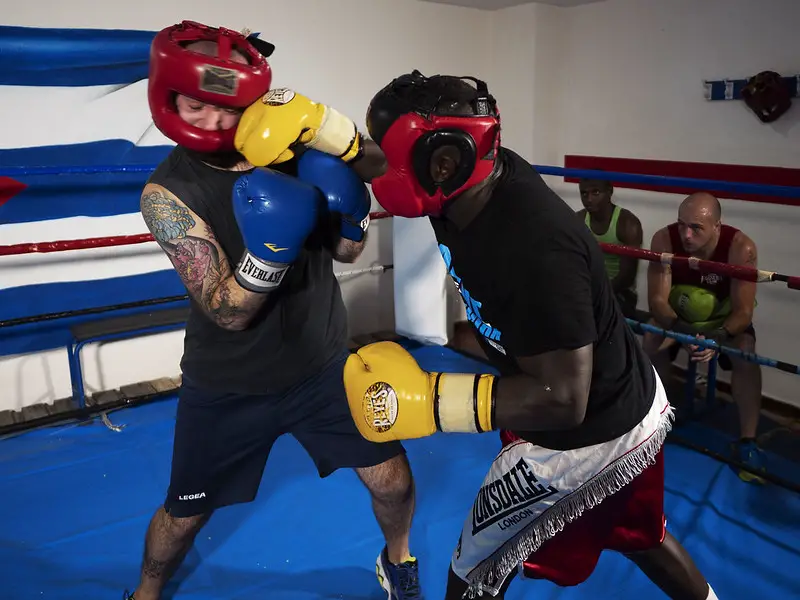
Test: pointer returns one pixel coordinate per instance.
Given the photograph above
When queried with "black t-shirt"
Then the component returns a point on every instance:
(301, 327)
(533, 280)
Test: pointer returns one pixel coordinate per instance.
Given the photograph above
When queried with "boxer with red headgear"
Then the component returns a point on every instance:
(233, 78)
(408, 124)
(266, 337)
(582, 413)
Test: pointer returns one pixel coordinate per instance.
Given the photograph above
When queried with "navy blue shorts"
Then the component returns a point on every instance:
(222, 440)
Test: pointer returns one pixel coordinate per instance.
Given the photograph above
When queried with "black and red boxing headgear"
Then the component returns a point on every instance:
(215, 80)
(407, 121)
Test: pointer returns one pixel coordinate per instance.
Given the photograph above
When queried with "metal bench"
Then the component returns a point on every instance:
(117, 328)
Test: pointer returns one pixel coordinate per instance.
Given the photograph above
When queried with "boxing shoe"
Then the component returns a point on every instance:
(400, 582)
(751, 456)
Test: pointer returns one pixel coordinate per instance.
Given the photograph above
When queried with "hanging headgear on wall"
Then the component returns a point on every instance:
(217, 80)
(767, 95)
(407, 121)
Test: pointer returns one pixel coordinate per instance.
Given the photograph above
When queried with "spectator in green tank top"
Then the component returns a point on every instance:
(613, 224)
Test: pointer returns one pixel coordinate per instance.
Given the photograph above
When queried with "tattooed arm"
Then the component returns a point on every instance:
(743, 293)
(199, 260)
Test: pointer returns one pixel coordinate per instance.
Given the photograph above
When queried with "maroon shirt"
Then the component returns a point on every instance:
(682, 274)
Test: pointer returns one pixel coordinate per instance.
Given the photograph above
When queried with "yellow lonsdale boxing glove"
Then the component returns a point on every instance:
(283, 118)
(392, 398)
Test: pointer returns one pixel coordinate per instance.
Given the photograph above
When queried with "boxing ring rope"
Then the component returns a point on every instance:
(780, 191)
(704, 266)
(101, 242)
(713, 345)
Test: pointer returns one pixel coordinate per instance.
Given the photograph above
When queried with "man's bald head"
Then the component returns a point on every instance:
(699, 221)
(702, 203)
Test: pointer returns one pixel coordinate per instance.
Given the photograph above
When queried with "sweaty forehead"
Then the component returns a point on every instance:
(693, 213)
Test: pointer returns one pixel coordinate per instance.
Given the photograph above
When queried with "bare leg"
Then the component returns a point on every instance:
(167, 542)
(392, 490)
(746, 387)
(672, 569)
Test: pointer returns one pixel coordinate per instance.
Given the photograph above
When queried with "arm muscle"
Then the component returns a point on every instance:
(743, 293)
(551, 336)
(629, 231)
(552, 393)
(659, 282)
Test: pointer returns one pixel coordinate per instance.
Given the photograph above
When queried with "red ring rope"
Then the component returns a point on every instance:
(705, 266)
(100, 242)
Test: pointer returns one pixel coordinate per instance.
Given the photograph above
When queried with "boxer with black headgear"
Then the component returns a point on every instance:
(266, 337)
(582, 413)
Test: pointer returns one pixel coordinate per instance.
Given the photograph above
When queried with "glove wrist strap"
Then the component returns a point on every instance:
(255, 275)
(464, 403)
(337, 135)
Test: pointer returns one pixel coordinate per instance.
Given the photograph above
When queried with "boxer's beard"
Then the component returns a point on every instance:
(221, 160)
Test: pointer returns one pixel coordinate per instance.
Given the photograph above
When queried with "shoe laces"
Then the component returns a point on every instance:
(408, 579)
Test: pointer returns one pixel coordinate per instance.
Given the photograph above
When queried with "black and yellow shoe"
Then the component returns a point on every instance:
(400, 582)
(751, 456)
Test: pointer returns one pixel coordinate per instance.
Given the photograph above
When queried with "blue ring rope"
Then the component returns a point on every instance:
(782, 191)
(706, 343)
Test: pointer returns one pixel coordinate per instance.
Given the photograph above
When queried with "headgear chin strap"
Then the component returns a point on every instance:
(217, 80)
(403, 120)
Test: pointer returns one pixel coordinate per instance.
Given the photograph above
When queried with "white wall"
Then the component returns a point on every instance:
(338, 52)
(623, 78)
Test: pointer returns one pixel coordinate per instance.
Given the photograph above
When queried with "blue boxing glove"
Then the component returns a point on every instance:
(347, 195)
(275, 214)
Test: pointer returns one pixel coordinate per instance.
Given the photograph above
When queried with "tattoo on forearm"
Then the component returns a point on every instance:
(165, 217)
(224, 308)
(197, 262)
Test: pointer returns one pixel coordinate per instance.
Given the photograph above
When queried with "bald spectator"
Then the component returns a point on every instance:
(709, 305)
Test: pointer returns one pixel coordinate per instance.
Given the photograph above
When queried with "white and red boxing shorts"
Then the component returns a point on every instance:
(549, 514)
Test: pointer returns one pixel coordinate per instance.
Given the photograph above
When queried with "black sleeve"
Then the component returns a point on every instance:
(552, 307)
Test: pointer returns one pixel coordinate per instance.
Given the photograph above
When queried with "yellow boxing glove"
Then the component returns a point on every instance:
(282, 118)
(392, 398)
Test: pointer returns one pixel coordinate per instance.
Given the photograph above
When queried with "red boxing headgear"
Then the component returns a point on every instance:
(213, 79)
(403, 120)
